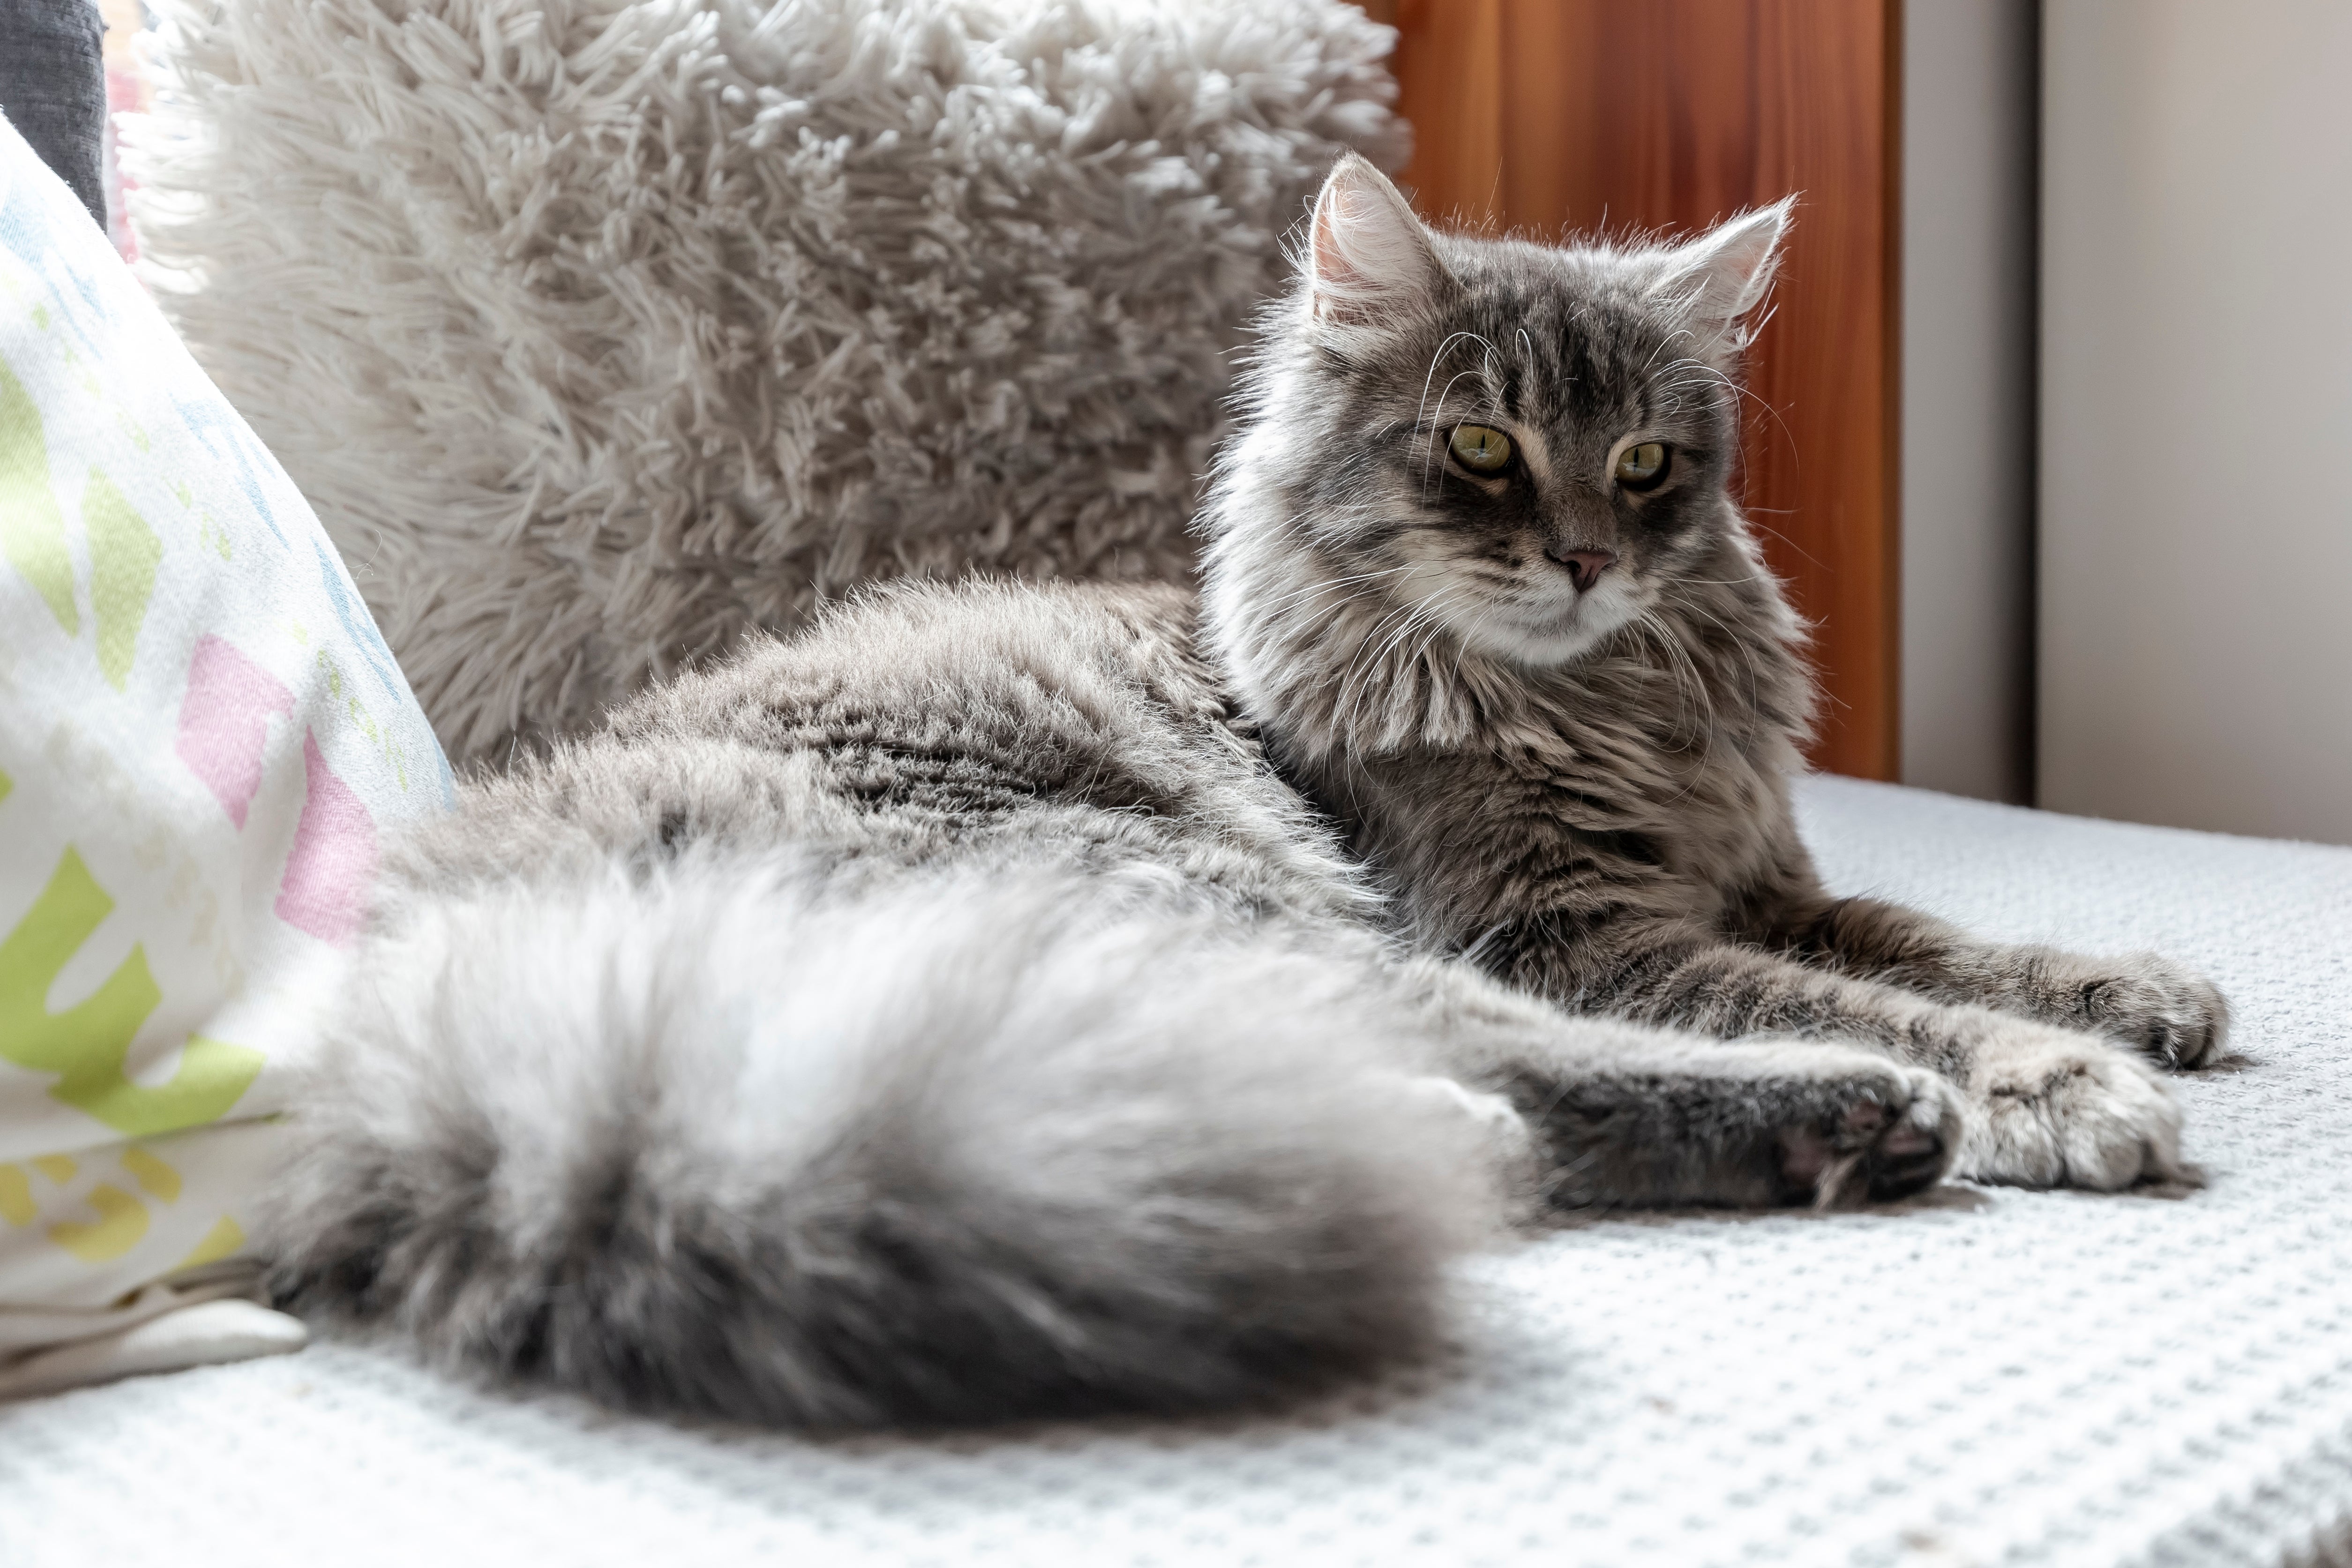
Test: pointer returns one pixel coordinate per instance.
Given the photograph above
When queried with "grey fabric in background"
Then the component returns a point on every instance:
(53, 90)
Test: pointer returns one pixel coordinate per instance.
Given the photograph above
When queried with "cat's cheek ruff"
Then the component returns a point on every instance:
(1689, 544)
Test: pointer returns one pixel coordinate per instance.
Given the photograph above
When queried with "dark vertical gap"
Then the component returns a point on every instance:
(1890, 223)
(2027, 785)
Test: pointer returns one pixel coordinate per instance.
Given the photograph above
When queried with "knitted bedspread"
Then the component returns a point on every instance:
(1979, 1376)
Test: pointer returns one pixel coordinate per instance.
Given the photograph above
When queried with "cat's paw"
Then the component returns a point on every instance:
(1877, 1130)
(2055, 1108)
(2177, 1017)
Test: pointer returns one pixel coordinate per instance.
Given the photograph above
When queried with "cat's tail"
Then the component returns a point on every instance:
(724, 1140)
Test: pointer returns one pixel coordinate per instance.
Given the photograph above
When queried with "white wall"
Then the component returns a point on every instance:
(1968, 156)
(2194, 659)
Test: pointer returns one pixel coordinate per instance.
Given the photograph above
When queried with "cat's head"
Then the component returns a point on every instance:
(1510, 448)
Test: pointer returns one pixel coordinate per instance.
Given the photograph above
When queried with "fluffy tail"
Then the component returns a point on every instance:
(723, 1142)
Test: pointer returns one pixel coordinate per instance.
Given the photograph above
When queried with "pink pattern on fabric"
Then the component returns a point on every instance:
(224, 719)
(327, 876)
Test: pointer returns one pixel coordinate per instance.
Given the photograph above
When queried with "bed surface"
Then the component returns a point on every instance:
(1982, 1376)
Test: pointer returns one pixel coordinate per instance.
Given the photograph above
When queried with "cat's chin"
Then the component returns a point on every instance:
(1548, 643)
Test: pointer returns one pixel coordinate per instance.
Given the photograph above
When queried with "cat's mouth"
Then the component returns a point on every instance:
(1536, 623)
(1544, 631)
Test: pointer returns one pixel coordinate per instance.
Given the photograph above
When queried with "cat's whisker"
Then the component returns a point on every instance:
(1424, 612)
(1687, 677)
(1689, 687)
(1713, 376)
(1432, 461)
(1663, 343)
(1437, 628)
(1451, 339)
(1330, 585)
(1755, 675)
(1365, 645)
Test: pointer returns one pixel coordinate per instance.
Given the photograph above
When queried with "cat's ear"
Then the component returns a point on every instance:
(1368, 259)
(1724, 273)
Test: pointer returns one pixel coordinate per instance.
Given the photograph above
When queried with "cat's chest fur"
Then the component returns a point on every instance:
(1633, 781)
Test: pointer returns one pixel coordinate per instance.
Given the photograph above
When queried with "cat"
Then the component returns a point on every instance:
(1004, 1001)
(1555, 698)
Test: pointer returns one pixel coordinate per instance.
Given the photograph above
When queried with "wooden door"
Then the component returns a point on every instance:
(1542, 116)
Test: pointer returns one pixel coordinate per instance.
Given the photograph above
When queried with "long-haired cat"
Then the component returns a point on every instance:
(1000, 1001)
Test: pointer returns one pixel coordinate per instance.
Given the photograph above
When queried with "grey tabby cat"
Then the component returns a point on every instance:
(1005, 1001)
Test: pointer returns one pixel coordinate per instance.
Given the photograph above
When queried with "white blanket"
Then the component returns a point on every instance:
(1985, 1376)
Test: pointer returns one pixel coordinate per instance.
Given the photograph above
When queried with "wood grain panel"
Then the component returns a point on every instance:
(1543, 116)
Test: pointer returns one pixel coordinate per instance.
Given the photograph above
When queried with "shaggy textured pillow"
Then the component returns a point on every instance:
(597, 332)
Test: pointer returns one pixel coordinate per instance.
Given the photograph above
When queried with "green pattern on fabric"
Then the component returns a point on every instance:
(32, 530)
(213, 1077)
(123, 553)
(88, 1045)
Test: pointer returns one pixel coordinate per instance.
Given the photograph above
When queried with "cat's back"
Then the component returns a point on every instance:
(1021, 682)
(922, 722)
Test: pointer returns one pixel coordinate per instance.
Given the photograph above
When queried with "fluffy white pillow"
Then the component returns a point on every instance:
(202, 737)
(603, 329)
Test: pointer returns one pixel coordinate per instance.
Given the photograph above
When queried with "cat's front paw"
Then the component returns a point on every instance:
(1875, 1133)
(2053, 1108)
(2176, 1017)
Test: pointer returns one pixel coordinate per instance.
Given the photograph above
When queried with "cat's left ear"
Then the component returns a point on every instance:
(1368, 259)
(1724, 273)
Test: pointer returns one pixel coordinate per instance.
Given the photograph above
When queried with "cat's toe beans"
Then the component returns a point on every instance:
(1916, 1148)
(1908, 1142)
(1893, 1137)
(1804, 1155)
(1862, 1119)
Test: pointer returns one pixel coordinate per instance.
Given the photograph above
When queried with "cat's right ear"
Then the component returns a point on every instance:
(1722, 276)
(1369, 259)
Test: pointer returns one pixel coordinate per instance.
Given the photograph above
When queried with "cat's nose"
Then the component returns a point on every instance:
(1584, 566)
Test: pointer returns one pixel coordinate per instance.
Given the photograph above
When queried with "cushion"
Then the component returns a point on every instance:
(53, 88)
(202, 737)
(1980, 1377)
(604, 329)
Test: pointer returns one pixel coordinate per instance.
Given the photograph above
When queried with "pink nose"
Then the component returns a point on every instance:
(1584, 566)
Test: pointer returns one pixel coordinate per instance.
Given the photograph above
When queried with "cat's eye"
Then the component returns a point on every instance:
(1480, 449)
(1643, 467)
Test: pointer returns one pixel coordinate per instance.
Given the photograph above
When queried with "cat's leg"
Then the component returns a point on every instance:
(2178, 1017)
(1601, 1113)
(2046, 1106)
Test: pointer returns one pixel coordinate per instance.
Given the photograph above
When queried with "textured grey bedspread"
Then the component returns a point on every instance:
(1983, 1377)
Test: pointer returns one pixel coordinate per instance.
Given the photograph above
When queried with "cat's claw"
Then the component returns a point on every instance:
(2176, 1018)
(2055, 1108)
(1893, 1135)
